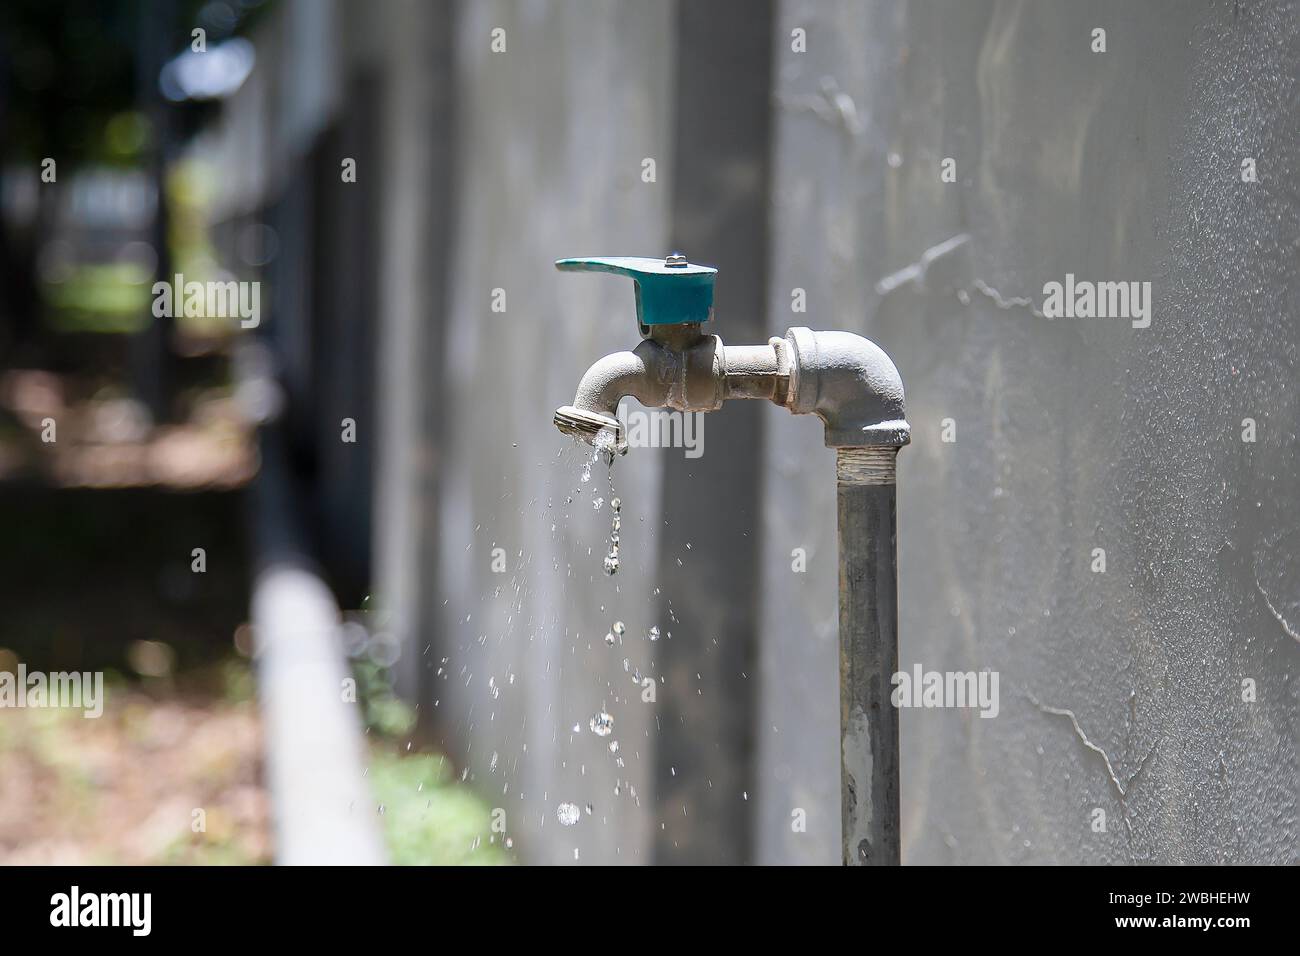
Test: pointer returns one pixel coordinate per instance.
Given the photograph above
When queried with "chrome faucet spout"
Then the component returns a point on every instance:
(643, 373)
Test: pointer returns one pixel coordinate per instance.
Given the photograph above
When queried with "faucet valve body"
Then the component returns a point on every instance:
(855, 389)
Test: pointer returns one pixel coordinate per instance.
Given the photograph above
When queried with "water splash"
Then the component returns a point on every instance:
(615, 525)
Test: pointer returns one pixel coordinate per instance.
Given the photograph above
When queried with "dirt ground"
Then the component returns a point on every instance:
(97, 573)
(157, 779)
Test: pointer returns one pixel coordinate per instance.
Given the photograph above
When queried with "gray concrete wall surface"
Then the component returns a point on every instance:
(551, 135)
(1120, 690)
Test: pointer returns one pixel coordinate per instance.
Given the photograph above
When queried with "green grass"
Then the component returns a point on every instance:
(429, 819)
(112, 297)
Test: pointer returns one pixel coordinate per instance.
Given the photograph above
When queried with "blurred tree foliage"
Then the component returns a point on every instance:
(70, 69)
(67, 70)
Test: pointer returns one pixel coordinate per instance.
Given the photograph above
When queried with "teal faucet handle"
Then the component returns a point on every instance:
(668, 291)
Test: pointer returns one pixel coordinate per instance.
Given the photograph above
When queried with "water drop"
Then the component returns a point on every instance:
(602, 724)
(596, 503)
(610, 639)
(611, 563)
(653, 633)
(613, 746)
(616, 504)
(568, 814)
(619, 628)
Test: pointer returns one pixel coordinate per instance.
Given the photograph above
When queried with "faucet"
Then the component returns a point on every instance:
(855, 389)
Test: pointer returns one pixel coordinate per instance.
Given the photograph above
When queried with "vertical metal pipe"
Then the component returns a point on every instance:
(869, 791)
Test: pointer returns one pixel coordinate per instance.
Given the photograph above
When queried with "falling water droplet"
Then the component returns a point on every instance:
(653, 633)
(616, 504)
(613, 746)
(619, 628)
(611, 563)
(597, 502)
(602, 724)
(568, 814)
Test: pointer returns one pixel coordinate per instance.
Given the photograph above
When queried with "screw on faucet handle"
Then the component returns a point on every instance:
(669, 291)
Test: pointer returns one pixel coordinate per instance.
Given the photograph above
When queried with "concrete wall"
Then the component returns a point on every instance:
(550, 138)
(1120, 690)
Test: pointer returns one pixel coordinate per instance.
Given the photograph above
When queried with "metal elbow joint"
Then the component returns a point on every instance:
(851, 385)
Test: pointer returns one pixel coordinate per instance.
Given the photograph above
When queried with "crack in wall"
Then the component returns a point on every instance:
(1014, 302)
(917, 273)
(1121, 789)
(1275, 612)
(831, 105)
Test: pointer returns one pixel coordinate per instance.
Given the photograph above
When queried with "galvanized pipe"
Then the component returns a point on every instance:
(869, 785)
